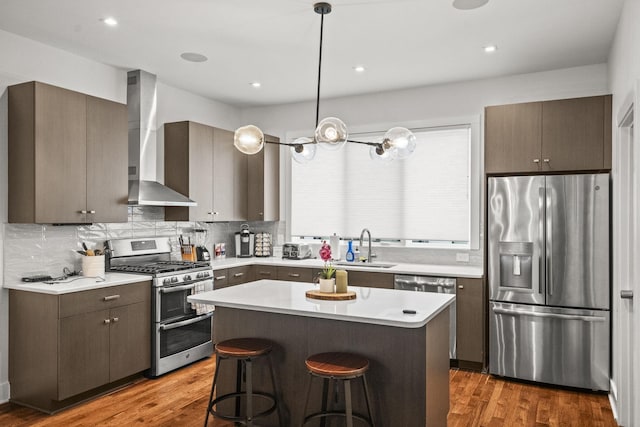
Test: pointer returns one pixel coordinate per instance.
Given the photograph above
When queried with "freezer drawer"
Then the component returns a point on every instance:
(568, 347)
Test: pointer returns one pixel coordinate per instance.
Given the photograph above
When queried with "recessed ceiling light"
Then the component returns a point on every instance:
(359, 69)
(110, 21)
(490, 48)
(256, 84)
(469, 4)
(193, 57)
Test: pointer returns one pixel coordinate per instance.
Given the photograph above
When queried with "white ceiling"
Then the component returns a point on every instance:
(402, 43)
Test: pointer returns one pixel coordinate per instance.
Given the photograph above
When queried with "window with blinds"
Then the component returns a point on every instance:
(424, 198)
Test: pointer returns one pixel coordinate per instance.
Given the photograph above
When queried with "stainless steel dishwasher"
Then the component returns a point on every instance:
(440, 285)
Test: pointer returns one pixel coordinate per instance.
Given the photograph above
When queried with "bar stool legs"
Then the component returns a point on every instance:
(343, 367)
(244, 350)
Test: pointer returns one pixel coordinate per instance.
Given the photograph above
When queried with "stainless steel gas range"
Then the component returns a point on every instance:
(181, 333)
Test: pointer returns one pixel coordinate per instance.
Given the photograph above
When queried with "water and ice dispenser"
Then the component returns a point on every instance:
(516, 264)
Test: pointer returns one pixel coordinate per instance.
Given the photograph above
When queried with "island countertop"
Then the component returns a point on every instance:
(372, 305)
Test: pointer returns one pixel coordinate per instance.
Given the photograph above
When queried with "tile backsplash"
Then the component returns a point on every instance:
(46, 249)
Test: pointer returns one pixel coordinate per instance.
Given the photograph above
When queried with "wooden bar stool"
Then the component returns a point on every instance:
(341, 367)
(244, 351)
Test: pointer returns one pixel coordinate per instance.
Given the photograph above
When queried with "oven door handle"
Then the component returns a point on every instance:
(168, 290)
(185, 322)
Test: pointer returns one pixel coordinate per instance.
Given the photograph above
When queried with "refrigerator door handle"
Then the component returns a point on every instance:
(549, 315)
(549, 242)
(542, 270)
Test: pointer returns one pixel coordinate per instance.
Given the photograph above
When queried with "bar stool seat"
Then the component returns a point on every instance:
(340, 367)
(244, 351)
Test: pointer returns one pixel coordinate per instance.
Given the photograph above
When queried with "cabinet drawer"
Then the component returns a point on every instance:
(266, 272)
(370, 279)
(295, 274)
(100, 299)
(238, 275)
(220, 278)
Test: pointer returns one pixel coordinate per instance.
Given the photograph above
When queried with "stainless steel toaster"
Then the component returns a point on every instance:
(296, 251)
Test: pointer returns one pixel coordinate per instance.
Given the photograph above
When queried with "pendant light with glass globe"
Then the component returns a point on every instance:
(330, 133)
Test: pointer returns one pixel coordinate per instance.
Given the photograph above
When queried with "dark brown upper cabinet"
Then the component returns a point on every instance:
(67, 156)
(550, 136)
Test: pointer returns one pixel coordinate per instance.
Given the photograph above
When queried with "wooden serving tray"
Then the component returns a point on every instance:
(330, 296)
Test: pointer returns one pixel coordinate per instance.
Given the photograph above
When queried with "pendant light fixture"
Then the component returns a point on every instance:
(330, 133)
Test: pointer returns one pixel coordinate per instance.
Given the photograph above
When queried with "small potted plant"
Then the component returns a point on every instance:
(327, 280)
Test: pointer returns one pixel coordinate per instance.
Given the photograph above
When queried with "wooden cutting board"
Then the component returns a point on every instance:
(329, 296)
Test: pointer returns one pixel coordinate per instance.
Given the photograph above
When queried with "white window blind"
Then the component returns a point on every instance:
(423, 197)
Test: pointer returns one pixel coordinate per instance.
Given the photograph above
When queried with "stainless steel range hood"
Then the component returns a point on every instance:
(141, 105)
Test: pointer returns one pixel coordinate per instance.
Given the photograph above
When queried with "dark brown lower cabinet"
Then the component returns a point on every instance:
(225, 277)
(265, 272)
(370, 279)
(238, 275)
(470, 322)
(295, 274)
(66, 348)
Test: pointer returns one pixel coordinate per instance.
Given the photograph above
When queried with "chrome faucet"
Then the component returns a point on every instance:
(369, 254)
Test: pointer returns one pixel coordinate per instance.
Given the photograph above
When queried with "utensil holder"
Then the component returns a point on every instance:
(93, 266)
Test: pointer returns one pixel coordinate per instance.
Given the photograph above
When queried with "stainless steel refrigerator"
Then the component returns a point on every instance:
(548, 272)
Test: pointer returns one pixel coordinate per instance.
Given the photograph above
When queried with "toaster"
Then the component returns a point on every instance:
(296, 251)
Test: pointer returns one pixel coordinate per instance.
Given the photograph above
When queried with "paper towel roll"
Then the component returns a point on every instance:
(334, 241)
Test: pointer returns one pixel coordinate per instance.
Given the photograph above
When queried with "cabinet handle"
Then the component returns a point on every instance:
(111, 297)
(545, 160)
(220, 277)
(536, 160)
(115, 319)
(260, 214)
(209, 213)
(265, 273)
(92, 212)
(238, 275)
(82, 211)
(216, 212)
(294, 275)
(460, 286)
(106, 321)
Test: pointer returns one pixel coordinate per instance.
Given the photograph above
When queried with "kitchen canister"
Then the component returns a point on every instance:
(93, 266)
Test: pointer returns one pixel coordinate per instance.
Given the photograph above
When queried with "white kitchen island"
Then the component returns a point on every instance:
(409, 371)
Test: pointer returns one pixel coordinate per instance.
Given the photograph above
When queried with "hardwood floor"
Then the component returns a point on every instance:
(180, 399)
(483, 400)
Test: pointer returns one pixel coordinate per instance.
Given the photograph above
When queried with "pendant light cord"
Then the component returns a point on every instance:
(319, 70)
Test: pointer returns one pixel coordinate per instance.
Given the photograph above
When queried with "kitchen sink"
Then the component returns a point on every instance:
(365, 264)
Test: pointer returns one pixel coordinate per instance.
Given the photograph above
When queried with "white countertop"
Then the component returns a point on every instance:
(372, 305)
(78, 283)
(399, 268)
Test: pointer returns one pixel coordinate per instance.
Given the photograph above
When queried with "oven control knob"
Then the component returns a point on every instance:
(199, 275)
(174, 280)
(166, 282)
(187, 278)
(205, 274)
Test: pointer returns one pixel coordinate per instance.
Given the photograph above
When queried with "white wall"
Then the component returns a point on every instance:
(26, 60)
(624, 71)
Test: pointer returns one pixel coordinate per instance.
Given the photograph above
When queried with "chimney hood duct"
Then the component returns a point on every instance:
(141, 106)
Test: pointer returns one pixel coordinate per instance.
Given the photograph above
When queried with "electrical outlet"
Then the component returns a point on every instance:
(462, 257)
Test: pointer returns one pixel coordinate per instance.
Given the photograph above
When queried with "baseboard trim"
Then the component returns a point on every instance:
(4, 392)
(613, 399)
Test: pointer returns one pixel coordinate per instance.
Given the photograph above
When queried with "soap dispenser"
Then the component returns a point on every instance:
(350, 256)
